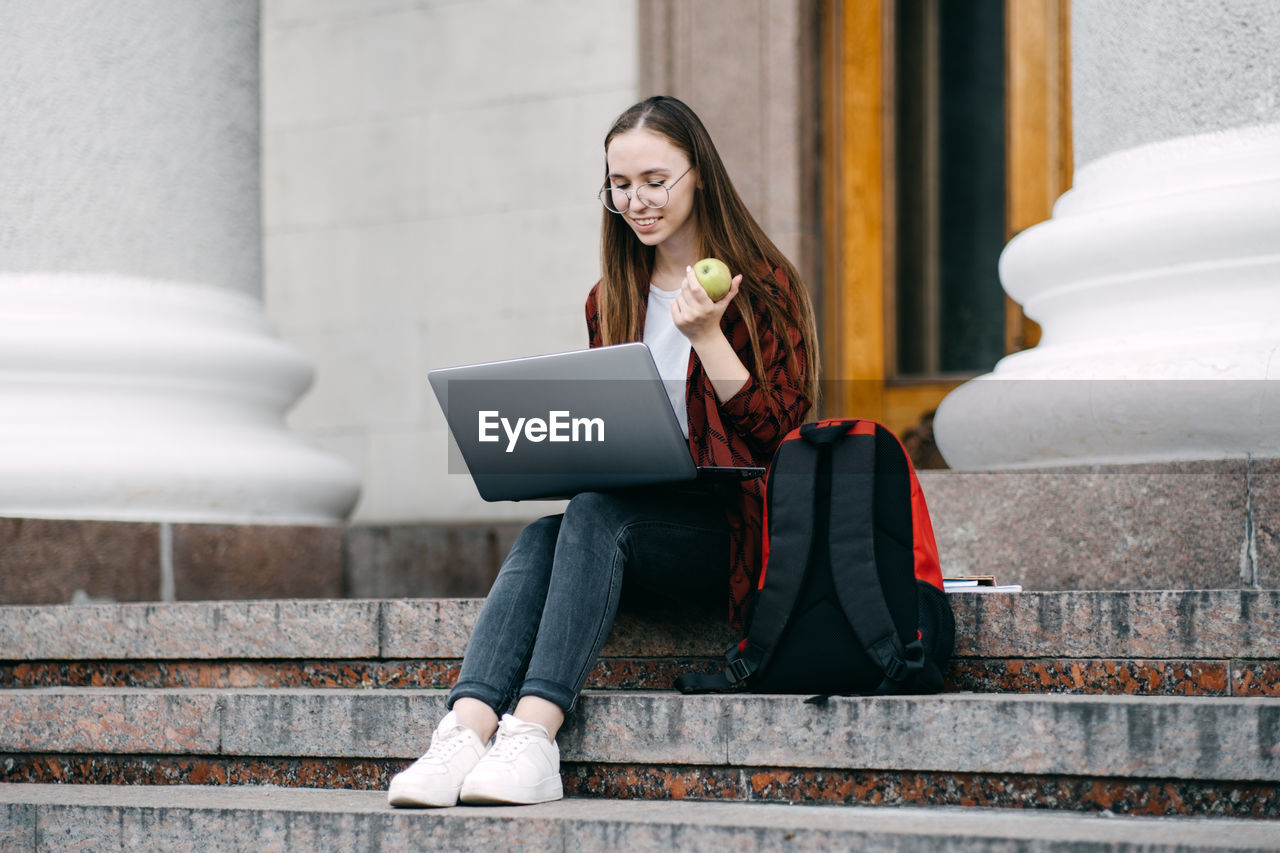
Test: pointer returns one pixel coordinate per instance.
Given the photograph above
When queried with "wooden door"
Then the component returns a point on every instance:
(946, 130)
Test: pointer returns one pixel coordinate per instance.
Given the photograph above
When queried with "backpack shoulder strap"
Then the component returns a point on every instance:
(851, 538)
(790, 501)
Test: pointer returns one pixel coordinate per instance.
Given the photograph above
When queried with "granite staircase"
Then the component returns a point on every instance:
(1073, 720)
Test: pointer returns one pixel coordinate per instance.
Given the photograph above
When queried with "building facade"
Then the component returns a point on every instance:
(229, 211)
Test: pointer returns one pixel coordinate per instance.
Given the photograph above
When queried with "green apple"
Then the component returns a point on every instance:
(714, 277)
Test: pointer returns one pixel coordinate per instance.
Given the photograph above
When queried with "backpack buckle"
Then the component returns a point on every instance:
(895, 670)
(899, 668)
(737, 670)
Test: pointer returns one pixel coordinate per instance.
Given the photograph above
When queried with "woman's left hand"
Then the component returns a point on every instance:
(695, 315)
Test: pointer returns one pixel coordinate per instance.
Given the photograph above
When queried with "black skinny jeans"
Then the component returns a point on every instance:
(554, 601)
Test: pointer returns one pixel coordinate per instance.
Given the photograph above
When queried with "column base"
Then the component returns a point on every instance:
(134, 399)
(1155, 284)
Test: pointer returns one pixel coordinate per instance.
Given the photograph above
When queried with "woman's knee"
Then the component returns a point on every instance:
(532, 553)
(538, 535)
(597, 509)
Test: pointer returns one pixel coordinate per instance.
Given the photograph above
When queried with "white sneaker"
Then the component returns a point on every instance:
(522, 767)
(436, 777)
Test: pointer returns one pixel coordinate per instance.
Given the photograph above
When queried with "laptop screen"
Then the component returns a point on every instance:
(554, 425)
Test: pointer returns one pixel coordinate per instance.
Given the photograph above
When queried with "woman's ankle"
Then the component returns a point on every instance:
(477, 716)
(535, 709)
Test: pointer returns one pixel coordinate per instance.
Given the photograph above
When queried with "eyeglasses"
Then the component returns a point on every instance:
(654, 194)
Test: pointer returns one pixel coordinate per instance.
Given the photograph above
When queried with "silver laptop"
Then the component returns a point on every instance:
(551, 426)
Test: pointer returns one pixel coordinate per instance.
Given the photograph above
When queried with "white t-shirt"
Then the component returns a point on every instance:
(670, 350)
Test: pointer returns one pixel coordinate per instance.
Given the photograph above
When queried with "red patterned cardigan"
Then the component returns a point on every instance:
(742, 430)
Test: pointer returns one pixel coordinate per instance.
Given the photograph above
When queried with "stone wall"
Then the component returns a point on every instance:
(430, 171)
(751, 70)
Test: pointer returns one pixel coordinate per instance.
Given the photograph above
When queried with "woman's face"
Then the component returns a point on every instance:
(640, 156)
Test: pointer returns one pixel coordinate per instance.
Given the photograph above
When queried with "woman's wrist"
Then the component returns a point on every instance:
(726, 372)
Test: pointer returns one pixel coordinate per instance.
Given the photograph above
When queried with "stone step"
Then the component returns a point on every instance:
(1200, 642)
(1144, 754)
(139, 819)
(1161, 525)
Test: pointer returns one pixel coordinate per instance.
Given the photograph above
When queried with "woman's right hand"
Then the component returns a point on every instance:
(695, 315)
(698, 319)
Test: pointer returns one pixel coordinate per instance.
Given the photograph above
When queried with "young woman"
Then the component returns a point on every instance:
(741, 373)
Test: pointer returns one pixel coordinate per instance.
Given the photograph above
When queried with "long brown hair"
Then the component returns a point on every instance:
(726, 230)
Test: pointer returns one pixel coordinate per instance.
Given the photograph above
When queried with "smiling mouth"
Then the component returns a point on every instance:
(647, 221)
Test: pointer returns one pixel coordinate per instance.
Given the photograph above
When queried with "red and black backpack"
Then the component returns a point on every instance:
(850, 599)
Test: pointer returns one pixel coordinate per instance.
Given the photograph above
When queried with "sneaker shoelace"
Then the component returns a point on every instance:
(445, 745)
(509, 744)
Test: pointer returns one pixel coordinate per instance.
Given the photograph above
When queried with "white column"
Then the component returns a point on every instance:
(1157, 280)
(138, 376)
